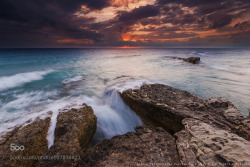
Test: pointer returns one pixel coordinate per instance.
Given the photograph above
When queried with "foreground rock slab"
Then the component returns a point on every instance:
(22, 143)
(207, 130)
(146, 147)
(165, 106)
(73, 136)
(206, 145)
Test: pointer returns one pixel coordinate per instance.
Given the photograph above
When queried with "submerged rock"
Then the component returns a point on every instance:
(195, 122)
(73, 136)
(193, 60)
(146, 147)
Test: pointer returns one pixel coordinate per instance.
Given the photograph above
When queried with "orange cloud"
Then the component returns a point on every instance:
(75, 41)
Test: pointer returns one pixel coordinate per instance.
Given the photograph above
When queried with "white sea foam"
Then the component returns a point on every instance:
(21, 78)
(74, 79)
(23, 103)
(20, 121)
(22, 118)
(133, 83)
(28, 99)
(56, 107)
(220, 68)
(114, 116)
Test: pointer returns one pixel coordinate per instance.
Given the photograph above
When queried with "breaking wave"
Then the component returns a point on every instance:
(12, 81)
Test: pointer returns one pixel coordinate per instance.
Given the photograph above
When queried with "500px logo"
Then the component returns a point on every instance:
(14, 147)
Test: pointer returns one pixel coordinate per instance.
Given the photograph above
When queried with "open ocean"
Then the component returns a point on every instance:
(35, 81)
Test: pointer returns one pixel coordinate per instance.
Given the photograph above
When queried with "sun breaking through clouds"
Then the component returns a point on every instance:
(124, 23)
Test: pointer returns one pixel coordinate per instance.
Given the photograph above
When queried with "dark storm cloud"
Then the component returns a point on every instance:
(96, 4)
(174, 35)
(162, 29)
(189, 2)
(242, 26)
(47, 20)
(138, 13)
(151, 21)
(35, 23)
(179, 19)
(216, 13)
(219, 20)
(124, 21)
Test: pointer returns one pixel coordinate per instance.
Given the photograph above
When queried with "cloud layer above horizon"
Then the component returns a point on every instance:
(116, 23)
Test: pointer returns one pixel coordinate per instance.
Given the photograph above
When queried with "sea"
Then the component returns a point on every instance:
(36, 81)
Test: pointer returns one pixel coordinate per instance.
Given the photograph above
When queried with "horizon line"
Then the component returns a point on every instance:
(126, 47)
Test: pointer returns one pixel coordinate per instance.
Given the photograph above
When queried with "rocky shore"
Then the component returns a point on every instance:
(142, 148)
(180, 129)
(73, 136)
(207, 132)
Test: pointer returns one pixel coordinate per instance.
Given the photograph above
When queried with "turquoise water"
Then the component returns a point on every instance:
(35, 81)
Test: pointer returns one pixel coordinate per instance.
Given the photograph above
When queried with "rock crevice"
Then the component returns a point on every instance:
(148, 146)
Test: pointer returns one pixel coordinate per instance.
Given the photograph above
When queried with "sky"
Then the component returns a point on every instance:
(124, 23)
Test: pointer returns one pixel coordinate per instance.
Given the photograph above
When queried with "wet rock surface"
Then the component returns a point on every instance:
(207, 130)
(146, 147)
(73, 136)
(21, 143)
(193, 60)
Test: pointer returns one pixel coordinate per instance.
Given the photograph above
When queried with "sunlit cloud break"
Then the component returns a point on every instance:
(125, 23)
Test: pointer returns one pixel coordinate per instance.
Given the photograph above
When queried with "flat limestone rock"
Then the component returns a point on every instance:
(146, 147)
(209, 132)
(205, 145)
(73, 136)
(164, 106)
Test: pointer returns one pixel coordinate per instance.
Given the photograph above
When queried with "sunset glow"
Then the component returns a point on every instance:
(127, 22)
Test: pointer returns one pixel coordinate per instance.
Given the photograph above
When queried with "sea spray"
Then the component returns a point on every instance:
(12, 81)
(114, 117)
(58, 106)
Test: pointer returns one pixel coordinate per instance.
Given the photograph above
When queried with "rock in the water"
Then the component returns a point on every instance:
(193, 60)
(21, 143)
(146, 147)
(208, 131)
(73, 136)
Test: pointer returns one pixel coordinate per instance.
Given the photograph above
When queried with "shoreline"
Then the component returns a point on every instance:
(178, 113)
